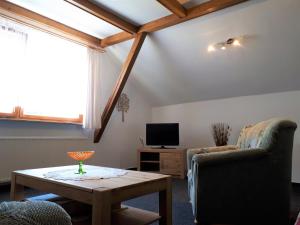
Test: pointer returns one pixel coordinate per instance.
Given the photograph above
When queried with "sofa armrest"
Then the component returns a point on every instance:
(227, 156)
(192, 151)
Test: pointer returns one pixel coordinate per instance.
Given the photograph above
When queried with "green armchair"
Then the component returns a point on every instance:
(244, 184)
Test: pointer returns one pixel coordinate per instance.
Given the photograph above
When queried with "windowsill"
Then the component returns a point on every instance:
(19, 115)
(42, 138)
(41, 121)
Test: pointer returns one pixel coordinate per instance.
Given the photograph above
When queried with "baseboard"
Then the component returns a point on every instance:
(297, 185)
(5, 187)
(4, 182)
(131, 168)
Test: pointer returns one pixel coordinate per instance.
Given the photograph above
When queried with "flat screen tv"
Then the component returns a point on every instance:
(162, 134)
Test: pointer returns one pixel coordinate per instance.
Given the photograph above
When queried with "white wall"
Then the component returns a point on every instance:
(18, 150)
(196, 118)
(175, 67)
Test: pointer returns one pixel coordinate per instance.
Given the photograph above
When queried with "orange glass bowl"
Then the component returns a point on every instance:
(81, 156)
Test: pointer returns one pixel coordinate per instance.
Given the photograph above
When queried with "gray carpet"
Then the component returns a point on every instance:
(182, 212)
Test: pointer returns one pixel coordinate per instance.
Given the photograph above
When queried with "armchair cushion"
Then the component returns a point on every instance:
(263, 134)
(33, 213)
(251, 136)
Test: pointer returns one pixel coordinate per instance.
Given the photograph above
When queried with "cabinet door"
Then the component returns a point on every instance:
(171, 163)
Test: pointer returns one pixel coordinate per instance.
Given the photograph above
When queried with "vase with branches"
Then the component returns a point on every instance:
(221, 133)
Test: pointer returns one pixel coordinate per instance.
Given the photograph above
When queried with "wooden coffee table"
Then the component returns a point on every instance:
(104, 195)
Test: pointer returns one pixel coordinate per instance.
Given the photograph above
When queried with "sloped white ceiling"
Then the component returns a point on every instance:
(175, 67)
(136, 11)
(70, 15)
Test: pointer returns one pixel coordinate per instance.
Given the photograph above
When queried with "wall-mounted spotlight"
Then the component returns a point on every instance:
(211, 48)
(223, 47)
(236, 42)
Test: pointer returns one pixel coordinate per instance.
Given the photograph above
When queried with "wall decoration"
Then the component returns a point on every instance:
(142, 141)
(221, 133)
(123, 105)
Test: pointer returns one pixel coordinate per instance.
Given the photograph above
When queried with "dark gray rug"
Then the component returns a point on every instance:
(182, 211)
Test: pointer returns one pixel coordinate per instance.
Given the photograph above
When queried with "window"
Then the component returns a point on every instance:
(42, 77)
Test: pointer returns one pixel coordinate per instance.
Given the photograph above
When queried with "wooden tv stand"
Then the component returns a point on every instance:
(163, 160)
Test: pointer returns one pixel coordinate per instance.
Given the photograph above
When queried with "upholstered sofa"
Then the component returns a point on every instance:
(248, 183)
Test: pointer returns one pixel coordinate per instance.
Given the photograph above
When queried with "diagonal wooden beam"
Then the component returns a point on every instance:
(174, 6)
(125, 72)
(37, 21)
(171, 20)
(104, 15)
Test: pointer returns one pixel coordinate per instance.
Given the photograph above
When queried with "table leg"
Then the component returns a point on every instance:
(116, 206)
(101, 208)
(16, 190)
(165, 204)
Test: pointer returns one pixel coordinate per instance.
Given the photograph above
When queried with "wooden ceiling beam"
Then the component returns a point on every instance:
(123, 77)
(174, 6)
(37, 21)
(103, 14)
(183, 1)
(171, 20)
(115, 39)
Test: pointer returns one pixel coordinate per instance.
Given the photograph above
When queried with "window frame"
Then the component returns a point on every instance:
(18, 115)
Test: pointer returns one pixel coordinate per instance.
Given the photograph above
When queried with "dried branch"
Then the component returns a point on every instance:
(221, 133)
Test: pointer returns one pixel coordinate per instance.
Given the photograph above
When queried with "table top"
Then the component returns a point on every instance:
(131, 178)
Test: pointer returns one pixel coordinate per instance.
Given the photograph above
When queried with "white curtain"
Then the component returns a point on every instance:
(92, 118)
(13, 41)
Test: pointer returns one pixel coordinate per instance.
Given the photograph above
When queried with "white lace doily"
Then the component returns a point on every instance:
(92, 173)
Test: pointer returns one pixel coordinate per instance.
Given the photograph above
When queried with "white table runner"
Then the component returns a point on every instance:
(92, 173)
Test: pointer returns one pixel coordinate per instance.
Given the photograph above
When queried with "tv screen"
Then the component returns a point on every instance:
(161, 134)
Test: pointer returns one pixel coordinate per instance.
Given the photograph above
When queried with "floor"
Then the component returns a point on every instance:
(182, 212)
(295, 201)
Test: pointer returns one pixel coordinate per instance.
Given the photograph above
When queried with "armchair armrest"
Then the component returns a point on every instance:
(227, 156)
(191, 152)
(230, 172)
